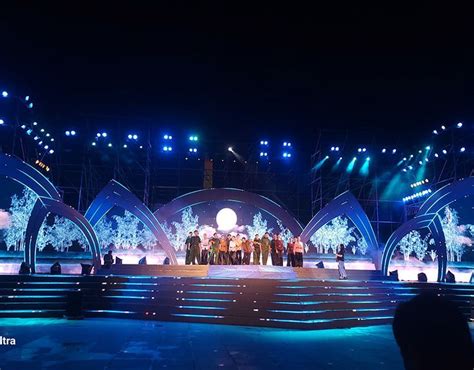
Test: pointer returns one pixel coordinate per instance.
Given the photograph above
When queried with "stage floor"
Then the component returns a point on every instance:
(114, 344)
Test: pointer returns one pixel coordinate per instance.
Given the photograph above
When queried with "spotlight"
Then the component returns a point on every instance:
(384, 150)
(367, 159)
(5, 94)
(435, 132)
(337, 148)
(2, 122)
(445, 151)
(51, 151)
(427, 147)
(29, 131)
(230, 149)
(94, 143)
(135, 137)
(327, 157)
(436, 155)
(420, 151)
(364, 149)
(359, 150)
(165, 137)
(48, 135)
(27, 97)
(30, 106)
(193, 138)
(141, 146)
(125, 146)
(46, 147)
(35, 123)
(285, 144)
(263, 142)
(459, 125)
(36, 138)
(68, 133)
(99, 134)
(462, 150)
(394, 151)
(333, 149)
(73, 133)
(23, 126)
(420, 162)
(129, 136)
(109, 145)
(443, 127)
(410, 167)
(104, 134)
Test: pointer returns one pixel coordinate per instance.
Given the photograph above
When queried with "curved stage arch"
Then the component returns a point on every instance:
(233, 195)
(115, 194)
(428, 217)
(347, 204)
(28, 176)
(42, 207)
(430, 221)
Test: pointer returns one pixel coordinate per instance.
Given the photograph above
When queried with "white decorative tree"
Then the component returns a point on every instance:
(362, 245)
(259, 226)
(285, 233)
(20, 210)
(420, 247)
(105, 233)
(63, 233)
(149, 241)
(408, 242)
(128, 234)
(335, 232)
(433, 254)
(178, 232)
(453, 235)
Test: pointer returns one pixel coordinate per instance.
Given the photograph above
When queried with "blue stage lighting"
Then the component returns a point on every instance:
(193, 138)
(68, 133)
(52, 139)
(2, 122)
(420, 151)
(30, 105)
(73, 133)
(436, 155)
(135, 137)
(27, 97)
(40, 143)
(141, 146)
(104, 134)
(384, 150)
(36, 138)
(445, 151)
(125, 146)
(410, 167)
(35, 123)
(462, 150)
(394, 151)
(29, 131)
(420, 162)
(459, 125)
(333, 148)
(359, 150)
(427, 147)
(48, 134)
(46, 147)
(129, 136)
(51, 151)
(109, 145)
(5, 94)
(337, 148)
(435, 132)
(23, 126)
(94, 143)
(443, 127)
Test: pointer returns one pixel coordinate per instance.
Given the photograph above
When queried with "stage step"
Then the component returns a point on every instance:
(285, 303)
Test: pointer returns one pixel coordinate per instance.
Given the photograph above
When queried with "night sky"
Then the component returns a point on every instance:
(235, 72)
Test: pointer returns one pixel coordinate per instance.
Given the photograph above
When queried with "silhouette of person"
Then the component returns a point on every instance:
(433, 334)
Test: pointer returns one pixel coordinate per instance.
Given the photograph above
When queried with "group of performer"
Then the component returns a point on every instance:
(238, 250)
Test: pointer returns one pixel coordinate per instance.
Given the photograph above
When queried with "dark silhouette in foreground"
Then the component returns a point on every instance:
(433, 334)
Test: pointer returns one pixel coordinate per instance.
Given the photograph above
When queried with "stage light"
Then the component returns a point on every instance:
(141, 146)
(36, 138)
(167, 137)
(435, 132)
(193, 138)
(94, 143)
(67, 133)
(364, 149)
(337, 148)
(51, 151)
(125, 146)
(411, 156)
(427, 147)
(420, 151)
(333, 148)
(109, 145)
(459, 125)
(48, 135)
(443, 127)
(285, 143)
(2, 122)
(230, 149)
(73, 133)
(420, 162)
(394, 151)
(436, 155)
(359, 150)
(40, 143)
(263, 142)
(410, 167)
(29, 131)
(46, 147)
(99, 134)
(27, 97)
(445, 151)
(367, 159)
(384, 150)
(5, 94)
(351, 165)
(404, 170)
(135, 137)
(30, 106)
(104, 134)
(462, 150)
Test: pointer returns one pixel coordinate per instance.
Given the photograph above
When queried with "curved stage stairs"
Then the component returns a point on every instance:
(301, 302)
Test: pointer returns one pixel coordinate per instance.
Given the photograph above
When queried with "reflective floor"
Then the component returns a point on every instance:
(132, 344)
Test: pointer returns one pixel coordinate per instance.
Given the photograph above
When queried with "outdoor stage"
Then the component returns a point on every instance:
(269, 296)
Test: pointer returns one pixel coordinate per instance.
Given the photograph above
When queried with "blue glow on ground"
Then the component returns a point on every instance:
(202, 307)
(206, 300)
(206, 292)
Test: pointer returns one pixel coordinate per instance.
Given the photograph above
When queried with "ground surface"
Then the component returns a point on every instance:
(132, 344)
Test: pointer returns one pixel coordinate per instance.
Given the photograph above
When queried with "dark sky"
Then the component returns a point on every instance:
(265, 70)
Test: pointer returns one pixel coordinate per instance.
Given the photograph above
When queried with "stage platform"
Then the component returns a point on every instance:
(238, 271)
(280, 297)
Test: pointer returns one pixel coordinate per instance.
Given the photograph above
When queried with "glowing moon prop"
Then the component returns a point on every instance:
(226, 219)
